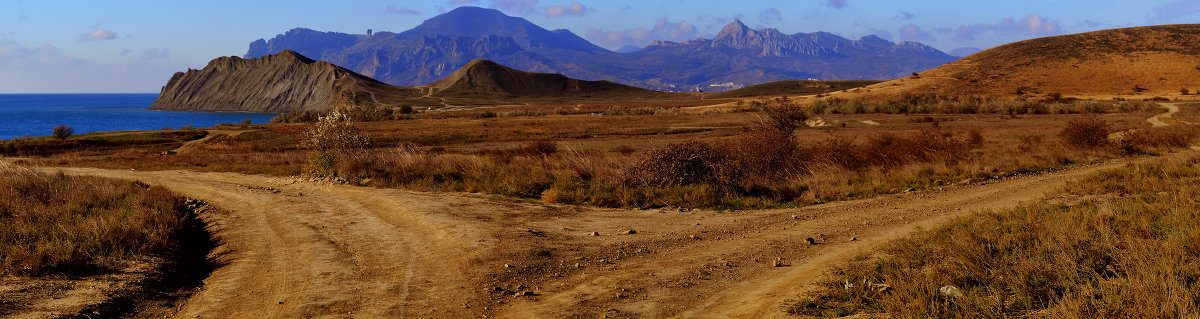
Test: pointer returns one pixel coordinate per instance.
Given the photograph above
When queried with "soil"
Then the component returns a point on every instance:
(291, 247)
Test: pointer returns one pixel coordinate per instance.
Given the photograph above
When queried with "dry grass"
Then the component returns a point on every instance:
(59, 224)
(1130, 250)
(934, 103)
(581, 156)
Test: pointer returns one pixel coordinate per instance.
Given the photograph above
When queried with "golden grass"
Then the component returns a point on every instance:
(1129, 249)
(59, 224)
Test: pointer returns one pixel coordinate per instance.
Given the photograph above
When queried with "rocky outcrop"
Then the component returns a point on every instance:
(278, 83)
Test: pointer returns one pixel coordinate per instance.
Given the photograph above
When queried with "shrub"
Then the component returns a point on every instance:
(686, 163)
(331, 139)
(486, 114)
(780, 114)
(1086, 133)
(334, 133)
(62, 132)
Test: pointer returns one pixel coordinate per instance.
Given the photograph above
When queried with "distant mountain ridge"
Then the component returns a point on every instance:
(740, 55)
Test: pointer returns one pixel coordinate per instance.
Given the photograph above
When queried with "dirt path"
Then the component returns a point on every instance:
(294, 248)
(196, 144)
(1162, 119)
(297, 248)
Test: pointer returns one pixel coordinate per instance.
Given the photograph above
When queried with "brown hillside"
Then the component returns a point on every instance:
(283, 82)
(487, 79)
(1143, 61)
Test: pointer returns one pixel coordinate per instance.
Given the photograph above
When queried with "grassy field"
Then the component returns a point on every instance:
(59, 224)
(620, 156)
(1124, 243)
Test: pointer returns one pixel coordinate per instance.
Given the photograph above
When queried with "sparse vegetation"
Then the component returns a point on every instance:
(1128, 250)
(59, 224)
(768, 158)
(971, 104)
(62, 132)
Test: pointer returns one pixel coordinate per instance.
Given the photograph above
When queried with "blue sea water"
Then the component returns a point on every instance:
(36, 114)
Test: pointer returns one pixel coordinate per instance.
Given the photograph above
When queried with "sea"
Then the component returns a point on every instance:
(36, 114)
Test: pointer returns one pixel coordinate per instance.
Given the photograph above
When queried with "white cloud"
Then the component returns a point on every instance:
(1030, 25)
(515, 6)
(912, 32)
(837, 3)
(1171, 11)
(47, 69)
(98, 35)
(404, 10)
(663, 30)
(770, 15)
(574, 9)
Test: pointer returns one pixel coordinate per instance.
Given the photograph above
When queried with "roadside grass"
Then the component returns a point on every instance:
(745, 160)
(59, 224)
(1124, 243)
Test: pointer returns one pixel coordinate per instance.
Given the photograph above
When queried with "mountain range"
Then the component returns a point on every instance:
(738, 56)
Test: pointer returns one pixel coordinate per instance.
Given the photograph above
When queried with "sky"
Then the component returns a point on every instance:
(104, 46)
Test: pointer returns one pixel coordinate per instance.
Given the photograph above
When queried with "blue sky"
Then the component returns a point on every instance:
(135, 45)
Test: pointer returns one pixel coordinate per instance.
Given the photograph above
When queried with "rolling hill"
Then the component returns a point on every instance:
(487, 79)
(1142, 61)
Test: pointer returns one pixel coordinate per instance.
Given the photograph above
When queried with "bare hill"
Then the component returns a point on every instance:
(487, 79)
(283, 82)
(1146, 61)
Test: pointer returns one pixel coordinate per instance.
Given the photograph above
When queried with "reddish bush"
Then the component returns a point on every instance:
(690, 162)
(1088, 132)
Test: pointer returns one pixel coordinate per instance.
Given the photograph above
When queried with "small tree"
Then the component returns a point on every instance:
(1184, 91)
(63, 131)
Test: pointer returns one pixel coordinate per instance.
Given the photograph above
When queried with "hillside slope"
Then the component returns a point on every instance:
(1142, 61)
(283, 82)
(484, 78)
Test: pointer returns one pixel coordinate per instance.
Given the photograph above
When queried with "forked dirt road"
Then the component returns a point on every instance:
(296, 248)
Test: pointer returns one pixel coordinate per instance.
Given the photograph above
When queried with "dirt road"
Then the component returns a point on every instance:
(294, 248)
(298, 248)
(1161, 119)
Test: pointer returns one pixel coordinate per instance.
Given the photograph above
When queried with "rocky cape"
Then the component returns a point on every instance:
(283, 82)
(738, 55)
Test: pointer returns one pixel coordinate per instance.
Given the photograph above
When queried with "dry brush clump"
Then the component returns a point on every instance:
(1089, 132)
(1131, 251)
(333, 139)
(60, 224)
